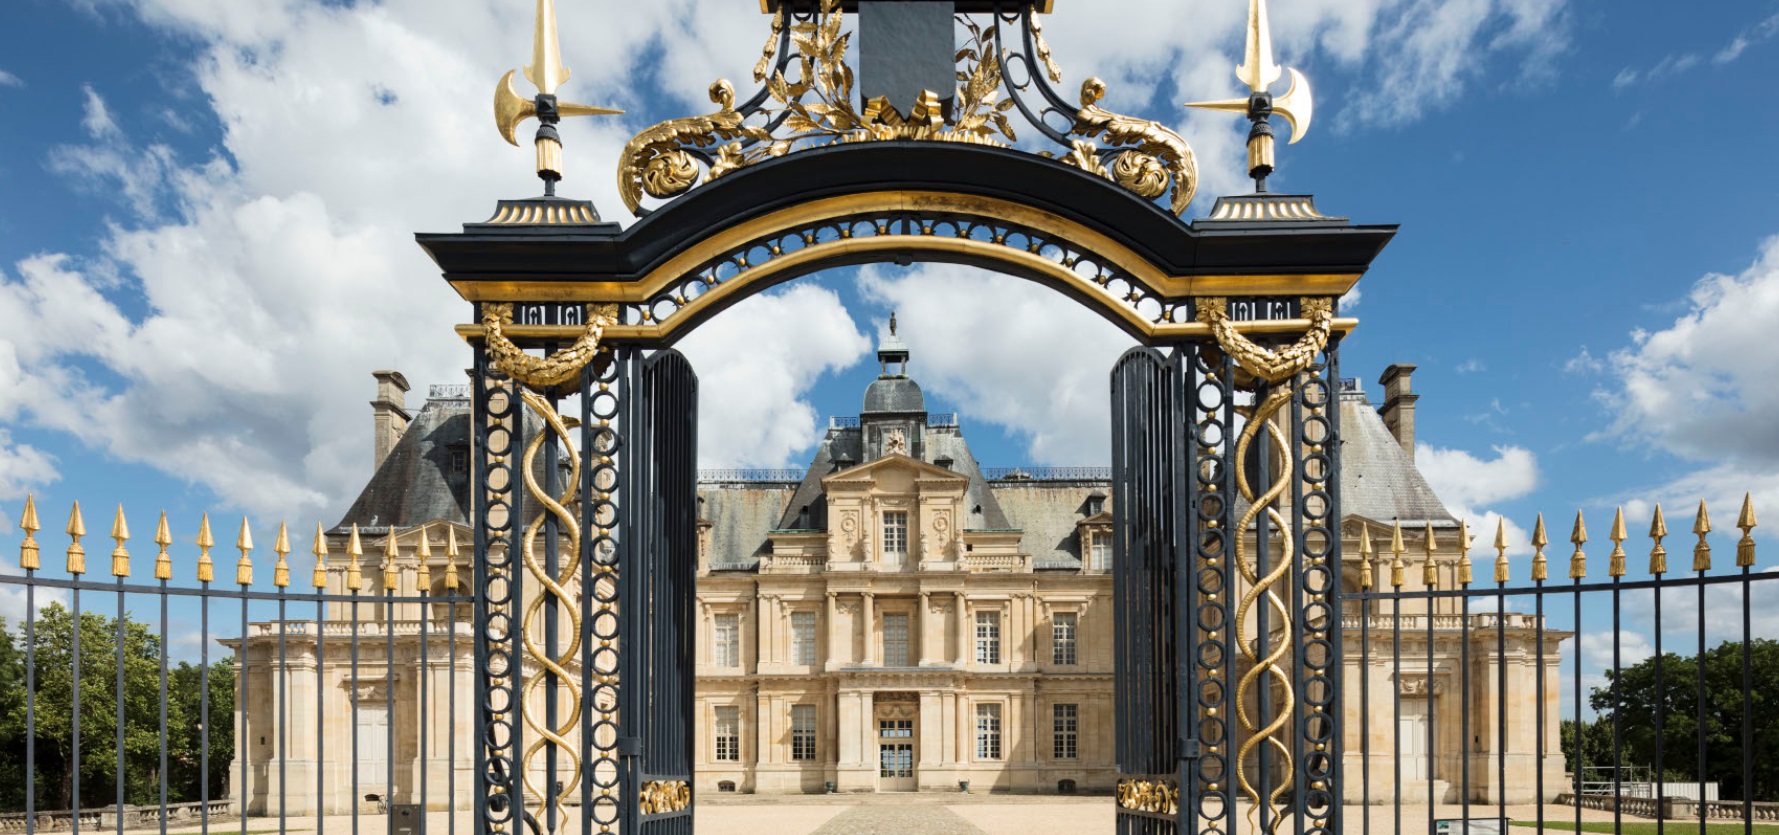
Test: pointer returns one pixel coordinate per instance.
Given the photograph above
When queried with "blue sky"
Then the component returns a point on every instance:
(206, 210)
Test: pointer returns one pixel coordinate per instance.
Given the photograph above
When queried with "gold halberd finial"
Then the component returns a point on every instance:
(1260, 72)
(547, 73)
(30, 554)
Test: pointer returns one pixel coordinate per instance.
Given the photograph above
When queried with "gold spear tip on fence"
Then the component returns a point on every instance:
(1501, 575)
(391, 574)
(163, 537)
(76, 530)
(1396, 539)
(281, 547)
(1364, 540)
(30, 558)
(422, 555)
(451, 543)
(1464, 575)
(1616, 566)
(1578, 561)
(1658, 556)
(1429, 542)
(120, 556)
(354, 549)
(1396, 550)
(1745, 521)
(1702, 551)
(320, 551)
(1579, 535)
(1540, 566)
(206, 570)
(244, 568)
(450, 560)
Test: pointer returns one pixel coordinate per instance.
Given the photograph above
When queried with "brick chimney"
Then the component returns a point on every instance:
(389, 413)
(1398, 411)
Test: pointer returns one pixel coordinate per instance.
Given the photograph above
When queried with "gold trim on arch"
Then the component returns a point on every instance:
(1104, 249)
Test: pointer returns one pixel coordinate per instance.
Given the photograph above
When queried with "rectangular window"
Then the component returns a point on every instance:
(895, 536)
(728, 734)
(1062, 638)
(726, 648)
(802, 732)
(803, 638)
(895, 640)
(988, 637)
(988, 731)
(1066, 725)
(1102, 552)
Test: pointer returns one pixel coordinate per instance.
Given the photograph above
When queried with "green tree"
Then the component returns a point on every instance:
(101, 653)
(1724, 706)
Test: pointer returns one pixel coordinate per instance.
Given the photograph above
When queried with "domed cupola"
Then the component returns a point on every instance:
(894, 406)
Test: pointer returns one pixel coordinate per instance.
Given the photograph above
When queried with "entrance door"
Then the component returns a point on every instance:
(895, 755)
(1412, 726)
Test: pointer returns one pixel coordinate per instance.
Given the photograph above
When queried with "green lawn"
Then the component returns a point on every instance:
(1642, 827)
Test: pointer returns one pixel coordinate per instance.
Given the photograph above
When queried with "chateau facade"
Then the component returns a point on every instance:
(895, 617)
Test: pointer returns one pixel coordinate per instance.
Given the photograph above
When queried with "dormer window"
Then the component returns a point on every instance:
(459, 462)
(1100, 558)
(1096, 503)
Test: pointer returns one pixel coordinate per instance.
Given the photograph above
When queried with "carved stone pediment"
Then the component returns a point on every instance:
(1420, 684)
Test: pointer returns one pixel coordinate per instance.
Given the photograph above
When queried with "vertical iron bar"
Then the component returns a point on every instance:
(74, 818)
(243, 709)
(389, 722)
(1501, 701)
(1396, 696)
(1578, 725)
(204, 709)
(588, 458)
(1336, 562)
(1538, 709)
(1747, 712)
(1661, 716)
(552, 617)
(1618, 709)
(320, 711)
(163, 694)
(1701, 703)
(1432, 724)
(1299, 685)
(283, 719)
(515, 607)
(121, 659)
(1466, 722)
(1364, 714)
(451, 713)
(30, 701)
(352, 797)
(421, 726)
(1262, 627)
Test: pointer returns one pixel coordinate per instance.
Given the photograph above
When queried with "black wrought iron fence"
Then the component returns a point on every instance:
(129, 705)
(1498, 705)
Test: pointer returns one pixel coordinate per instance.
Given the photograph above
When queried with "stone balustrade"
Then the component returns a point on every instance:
(133, 817)
(1672, 808)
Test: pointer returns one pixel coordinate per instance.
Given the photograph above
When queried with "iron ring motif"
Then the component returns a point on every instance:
(662, 796)
(543, 373)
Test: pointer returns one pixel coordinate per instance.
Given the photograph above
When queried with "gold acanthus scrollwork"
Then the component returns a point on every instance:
(553, 592)
(1280, 369)
(544, 373)
(1157, 156)
(817, 108)
(662, 796)
(1157, 796)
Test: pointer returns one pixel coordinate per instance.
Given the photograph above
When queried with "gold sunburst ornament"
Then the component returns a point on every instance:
(1260, 72)
(546, 73)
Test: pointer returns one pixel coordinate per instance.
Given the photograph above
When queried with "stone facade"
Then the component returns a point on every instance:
(894, 620)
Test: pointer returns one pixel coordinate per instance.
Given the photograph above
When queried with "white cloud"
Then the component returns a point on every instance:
(9, 80)
(1472, 366)
(1702, 386)
(1468, 485)
(755, 365)
(1009, 352)
(140, 175)
(1584, 363)
(1758, 33)
(1625, 78)
(23, 468)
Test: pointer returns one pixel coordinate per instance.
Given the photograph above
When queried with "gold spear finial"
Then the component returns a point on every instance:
(120, 556)
(1745, 521)
(1259, 72)
(1365, 552)
(1464, 568)
(206, 569)
(1397, 566)
(76, 530)
(1658, 528)
(423, 556)
(320, 551)
(1615, 566)
(244, 568)
(392, 574)
(1578, 561)
(281, 547)
(1429, 569)
(354, 550)
(1702, 551)
(1540, 565)
(30, 555)
(1501, 565)
(451, 561)
(163, 537)
(547, 73)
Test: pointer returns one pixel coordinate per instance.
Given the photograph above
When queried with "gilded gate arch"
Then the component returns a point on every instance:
(584, 584)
